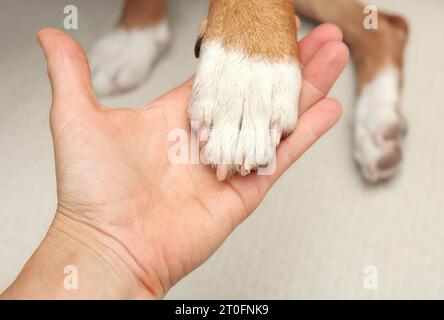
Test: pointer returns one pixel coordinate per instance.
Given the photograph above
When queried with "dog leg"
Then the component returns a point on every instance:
(378, 54)
(122, 59)
(247, 83)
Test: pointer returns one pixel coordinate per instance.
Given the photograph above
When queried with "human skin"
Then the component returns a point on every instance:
(130, 221)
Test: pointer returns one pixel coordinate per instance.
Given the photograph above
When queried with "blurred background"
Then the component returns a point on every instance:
(318, 229)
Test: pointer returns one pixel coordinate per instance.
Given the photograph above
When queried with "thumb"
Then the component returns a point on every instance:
(68, 71)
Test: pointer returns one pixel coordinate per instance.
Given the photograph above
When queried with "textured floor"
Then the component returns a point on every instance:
(318, 228)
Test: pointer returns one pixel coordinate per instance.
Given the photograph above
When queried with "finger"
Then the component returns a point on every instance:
(311, 127)
(321, 72)
(68, 70)
(316, 39)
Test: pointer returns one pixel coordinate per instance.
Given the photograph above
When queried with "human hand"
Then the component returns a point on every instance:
(123, 204)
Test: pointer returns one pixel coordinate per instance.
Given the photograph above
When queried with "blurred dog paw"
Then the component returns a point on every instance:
(122, 59)
(379, 127)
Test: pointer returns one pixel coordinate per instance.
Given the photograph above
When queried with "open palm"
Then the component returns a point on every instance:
(114, 172)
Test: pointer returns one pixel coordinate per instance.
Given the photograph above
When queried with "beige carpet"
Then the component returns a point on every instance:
(319, 227)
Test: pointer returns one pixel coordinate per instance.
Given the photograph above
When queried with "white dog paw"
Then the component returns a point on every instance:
(247, 104)
(122, 59)
(379, 127)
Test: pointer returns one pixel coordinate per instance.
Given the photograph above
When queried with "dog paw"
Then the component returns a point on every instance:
(379, 127)
(247, 104)
(122, 59)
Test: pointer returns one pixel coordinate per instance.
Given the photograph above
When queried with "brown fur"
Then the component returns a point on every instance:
(260, 28)
(372, 49)
(142, 13)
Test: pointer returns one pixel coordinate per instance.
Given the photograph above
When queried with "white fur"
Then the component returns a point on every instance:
(376, 112)
(122, 59)
(240, 98)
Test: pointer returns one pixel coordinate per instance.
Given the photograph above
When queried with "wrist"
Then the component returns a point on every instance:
(77, 261)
